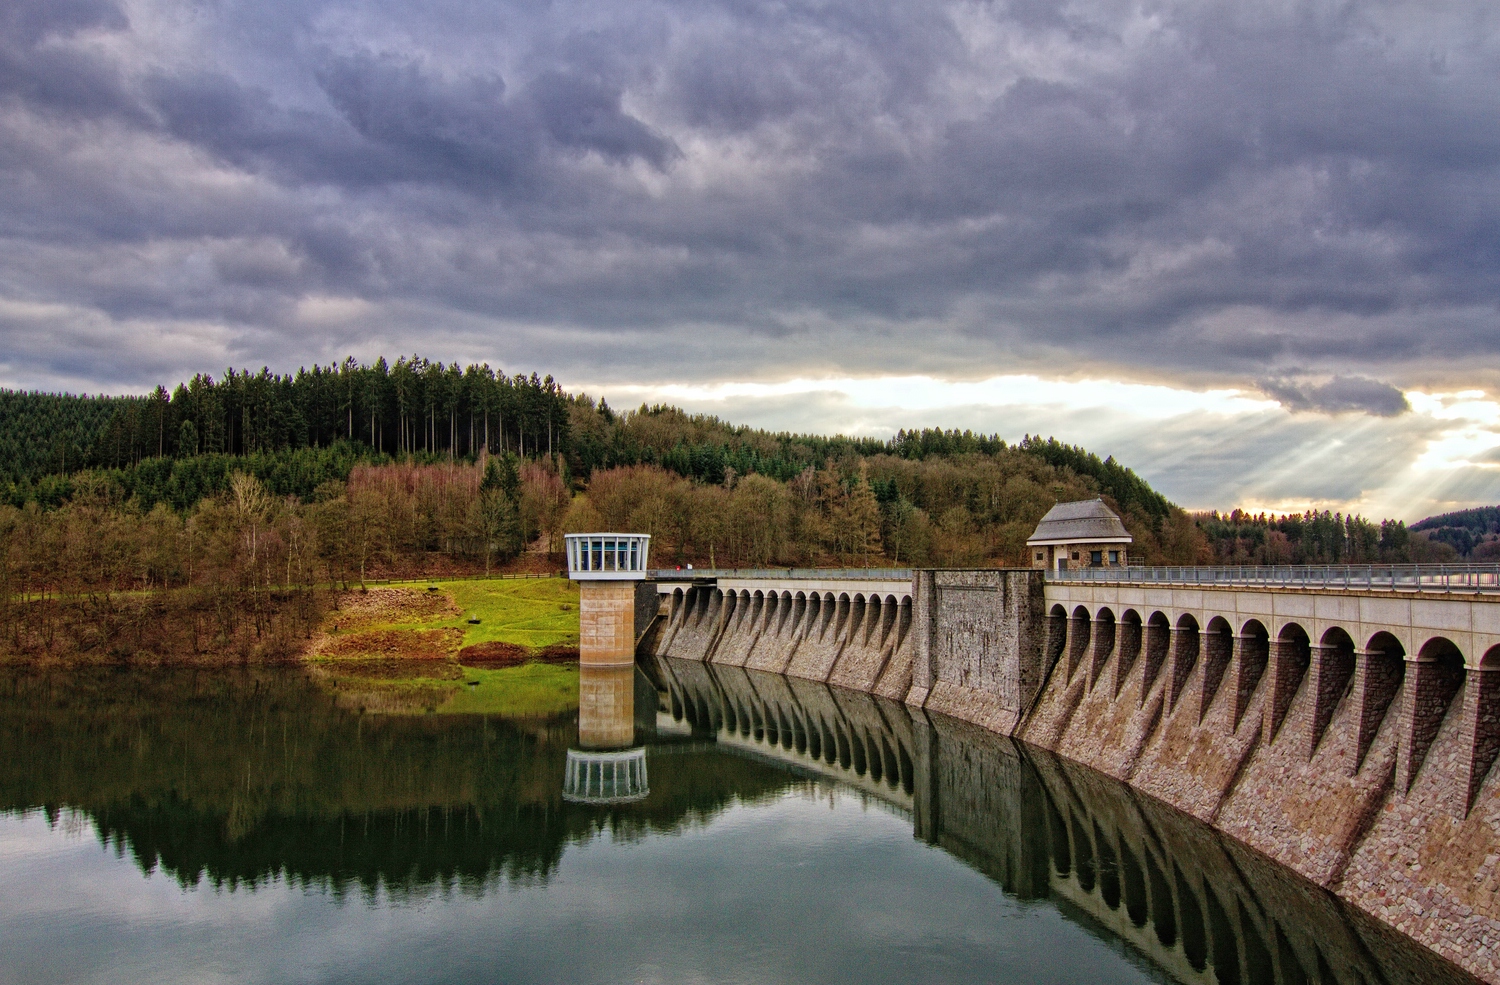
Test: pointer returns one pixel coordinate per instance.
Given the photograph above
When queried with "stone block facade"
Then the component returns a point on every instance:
(979, 644)
(606, 623)
(1085, 555)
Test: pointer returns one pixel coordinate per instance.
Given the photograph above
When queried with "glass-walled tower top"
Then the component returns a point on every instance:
(607, 557)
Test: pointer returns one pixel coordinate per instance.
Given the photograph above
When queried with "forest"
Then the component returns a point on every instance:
(1473, 534)
(410, 407)
(213, 517)
(1315, 538)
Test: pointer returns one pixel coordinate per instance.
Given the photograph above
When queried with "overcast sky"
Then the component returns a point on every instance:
(1250, 248)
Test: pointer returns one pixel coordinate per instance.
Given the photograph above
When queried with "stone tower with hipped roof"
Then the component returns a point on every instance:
(1080, 534)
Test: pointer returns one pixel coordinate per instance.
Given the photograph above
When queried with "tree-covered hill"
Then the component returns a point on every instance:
(1474, 534)
(924, 496)
(173, 446)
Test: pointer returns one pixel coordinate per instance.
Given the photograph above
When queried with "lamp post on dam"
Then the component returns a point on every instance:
(607, 767)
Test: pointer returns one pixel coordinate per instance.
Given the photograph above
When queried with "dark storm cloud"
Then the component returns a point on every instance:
(1338, 395)
(1251, 190)
(35, 70)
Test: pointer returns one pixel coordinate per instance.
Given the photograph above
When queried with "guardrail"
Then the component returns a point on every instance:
(497, 576)
(1443, 578)
(826, 574)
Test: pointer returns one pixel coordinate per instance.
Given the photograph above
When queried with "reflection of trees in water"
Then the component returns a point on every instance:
(1192, 903)
(244, 776)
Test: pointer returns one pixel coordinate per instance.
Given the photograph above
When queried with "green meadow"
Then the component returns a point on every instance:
(534, 613)
(531, 613)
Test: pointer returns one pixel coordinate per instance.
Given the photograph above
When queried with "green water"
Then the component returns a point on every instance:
(245, 827)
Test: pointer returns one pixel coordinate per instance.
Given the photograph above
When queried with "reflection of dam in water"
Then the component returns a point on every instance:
(849, 736)
(607, 767)
(1192, 902)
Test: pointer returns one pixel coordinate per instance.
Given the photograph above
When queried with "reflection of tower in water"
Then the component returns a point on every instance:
(606, 707)
(607, 767)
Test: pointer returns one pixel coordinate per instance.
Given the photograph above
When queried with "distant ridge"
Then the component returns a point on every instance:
(295, 430)
(1474, 533)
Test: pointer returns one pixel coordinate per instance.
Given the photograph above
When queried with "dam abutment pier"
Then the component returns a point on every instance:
(1342, 722)
(982, 644)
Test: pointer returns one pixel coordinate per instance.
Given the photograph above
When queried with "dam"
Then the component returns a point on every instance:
(1341, 722)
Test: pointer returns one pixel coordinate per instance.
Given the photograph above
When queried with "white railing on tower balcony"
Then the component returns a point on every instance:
(607, 555)
(1444, 578)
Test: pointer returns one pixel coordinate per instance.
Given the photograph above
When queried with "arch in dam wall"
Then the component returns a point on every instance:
(1159, 655)
(850, 633)
(1405, 664)
(1471, 623)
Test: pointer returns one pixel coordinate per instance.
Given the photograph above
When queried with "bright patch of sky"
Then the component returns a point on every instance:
(1205, 449)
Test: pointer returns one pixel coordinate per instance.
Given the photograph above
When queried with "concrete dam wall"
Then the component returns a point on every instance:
(1314, 740)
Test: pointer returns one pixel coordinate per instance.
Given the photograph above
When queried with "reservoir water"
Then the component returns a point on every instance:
(688, 824)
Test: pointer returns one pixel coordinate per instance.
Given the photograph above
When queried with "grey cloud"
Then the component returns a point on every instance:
(1245, 190)
(28, 21)
(396, 121)
(584, 114)
(463, 129)
(39, 69)
(1338, 395)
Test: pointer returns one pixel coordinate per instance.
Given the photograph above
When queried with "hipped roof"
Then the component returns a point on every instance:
(1086, 521)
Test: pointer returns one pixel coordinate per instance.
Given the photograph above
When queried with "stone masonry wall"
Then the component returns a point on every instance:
(979, 644)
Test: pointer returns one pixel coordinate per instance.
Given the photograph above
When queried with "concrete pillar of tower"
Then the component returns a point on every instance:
(607, 567)
(606, 624)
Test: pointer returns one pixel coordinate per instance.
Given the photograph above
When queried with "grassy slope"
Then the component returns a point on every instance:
(534, 613)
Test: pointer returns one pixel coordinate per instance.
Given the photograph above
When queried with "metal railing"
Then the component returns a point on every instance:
(765, 574)
(496, 576)
(1444, 578)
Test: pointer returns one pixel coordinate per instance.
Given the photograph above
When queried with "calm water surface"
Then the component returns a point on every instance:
(196, 826)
